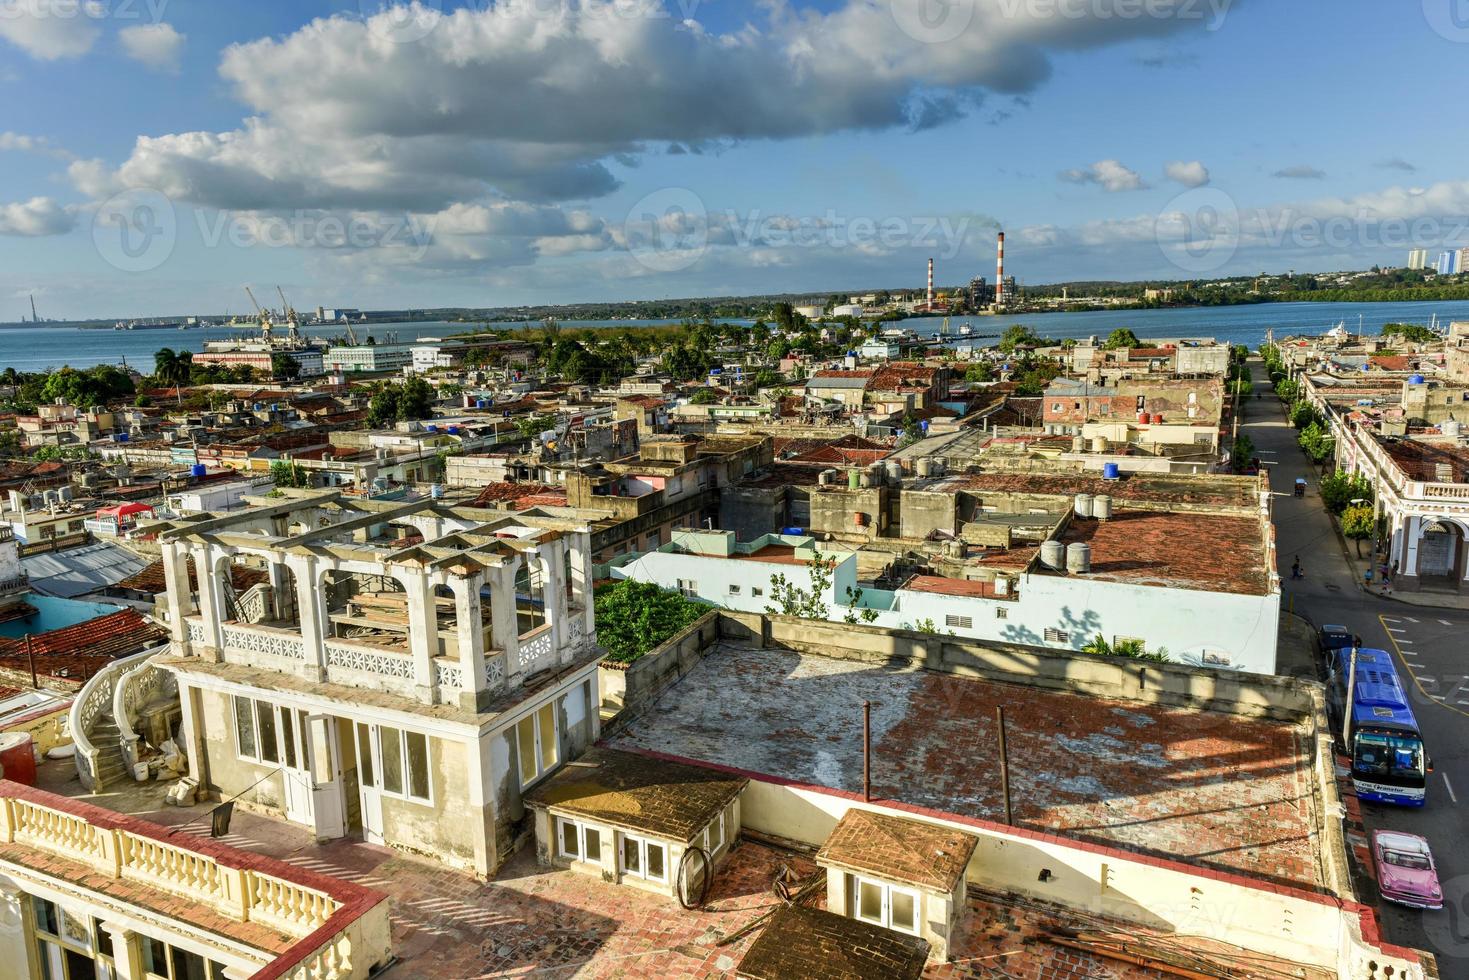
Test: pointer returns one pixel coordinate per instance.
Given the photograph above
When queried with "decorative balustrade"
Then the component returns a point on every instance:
(533, 648)
(93, 701)
(273, 643)
(134, 689)
(21, 583)
(449, 674)
(494, 668)
(369, 660)
(256, 604)
(337, 930)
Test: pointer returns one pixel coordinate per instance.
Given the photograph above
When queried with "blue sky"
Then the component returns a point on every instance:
(155, 155)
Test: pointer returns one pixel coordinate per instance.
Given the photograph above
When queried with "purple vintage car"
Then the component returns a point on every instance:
(1405, 871)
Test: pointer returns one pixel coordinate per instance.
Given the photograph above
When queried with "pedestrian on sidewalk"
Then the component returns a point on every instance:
(1387, 576)
(1295, 568)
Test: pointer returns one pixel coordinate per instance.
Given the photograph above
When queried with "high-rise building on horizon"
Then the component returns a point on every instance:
(1417, 258)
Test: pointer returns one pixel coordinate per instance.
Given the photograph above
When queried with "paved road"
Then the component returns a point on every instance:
(1430, 643)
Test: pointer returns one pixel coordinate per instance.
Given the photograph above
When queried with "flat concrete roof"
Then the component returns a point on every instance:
(1211, 789)
(1207, 552)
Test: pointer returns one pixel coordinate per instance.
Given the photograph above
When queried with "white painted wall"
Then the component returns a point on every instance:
(1202, 629)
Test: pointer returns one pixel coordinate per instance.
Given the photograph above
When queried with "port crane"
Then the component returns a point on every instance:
(292, 321)
(264, 316)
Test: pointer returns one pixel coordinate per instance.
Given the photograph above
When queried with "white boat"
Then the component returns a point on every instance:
(965, 330)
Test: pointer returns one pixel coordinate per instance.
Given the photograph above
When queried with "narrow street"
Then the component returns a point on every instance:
(1429, 646)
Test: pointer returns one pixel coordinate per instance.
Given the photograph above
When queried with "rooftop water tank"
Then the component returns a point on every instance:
(854, 479)
(1078, 558)
(1415, 379)
(479, 403)
(895, 470)
(1142, 418)
(1053, 555)
(1083, 505)
(1078, 444)
(794, 532)
(865, 480)
(435, 491)
(1450, 428)
(1099, 444)
(121, 437)
(197, 470)
(1110, 471)
(453, 430)
(824, 478)
(924, 468)
(1102, 507)
(431, 428)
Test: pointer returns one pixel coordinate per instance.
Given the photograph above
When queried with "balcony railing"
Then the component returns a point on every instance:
(331, 923)
(11, 586)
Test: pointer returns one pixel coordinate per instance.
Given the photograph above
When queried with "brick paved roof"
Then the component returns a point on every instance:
(913, 852)
(1207, 552)
(812, 944)
(1221, 490)
(1419, 460)
(1203, 787)
(632, 791)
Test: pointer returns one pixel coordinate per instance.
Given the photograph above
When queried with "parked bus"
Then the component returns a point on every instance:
(1386, 748)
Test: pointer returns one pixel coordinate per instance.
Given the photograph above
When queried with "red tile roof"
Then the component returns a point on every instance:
(151, 578)
(494, 493)
(938, 585)
(85, 648)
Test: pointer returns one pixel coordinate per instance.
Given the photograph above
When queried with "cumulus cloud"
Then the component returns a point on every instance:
(1110, 175)
(1301, 171)
(51, 29)
(158, 46)
(36, 217)
(1189, 173)
(22, 143)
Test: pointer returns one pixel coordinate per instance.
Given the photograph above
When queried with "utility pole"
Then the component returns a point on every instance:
(1346, 711)
(867, 751)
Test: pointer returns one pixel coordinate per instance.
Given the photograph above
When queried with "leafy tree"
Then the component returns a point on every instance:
(855, 612)
(981, 371)
(1034, 380)
(1303, 414)
(1339, 489)
(766, 378)
(285, 367)
(1316, 442)
(635, 617)
(1242, 452)
(1358, 523)
(704, 396)
(1019, 335)
(286, 473)
(912, 430)
(410, 401)
(1120, 338)
(1288, 391)
(779, 348)
(1413, 332)
(789, 599)
(172, 367)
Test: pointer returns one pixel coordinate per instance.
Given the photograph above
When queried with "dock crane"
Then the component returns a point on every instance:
(292, 321)
(262, 314)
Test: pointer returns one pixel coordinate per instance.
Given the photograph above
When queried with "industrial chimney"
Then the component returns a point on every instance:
(930, 284)
(1000, 270)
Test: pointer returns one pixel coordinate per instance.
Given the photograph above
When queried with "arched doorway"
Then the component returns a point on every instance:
(1441, 556)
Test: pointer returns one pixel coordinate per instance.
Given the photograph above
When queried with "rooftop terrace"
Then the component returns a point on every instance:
(1220, 491)
(1209, 552)
(1209, 789)
(1421, 460)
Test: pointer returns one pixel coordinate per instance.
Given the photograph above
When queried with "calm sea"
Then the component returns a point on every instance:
(30, 348)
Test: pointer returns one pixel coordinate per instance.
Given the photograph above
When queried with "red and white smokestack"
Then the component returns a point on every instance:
(1000, 270)
(930, 284)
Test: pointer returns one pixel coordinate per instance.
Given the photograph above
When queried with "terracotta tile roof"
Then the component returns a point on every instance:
(84, 648)
(1420, 460)
(1391, 362)
(509, 491)
(903, 375)
(629, 790)
(151, 578)
(1209, 552)
(939, 585)
(838, 373)
(813, 944)
(912, 852)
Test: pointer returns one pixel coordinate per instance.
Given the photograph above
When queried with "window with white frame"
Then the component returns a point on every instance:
(536, 746)
(734, 589)
(162, 961)
(1002, 613)
(688, 587)
(394, 761)
(639, 857)
(271, 734)
(756, 591)
(714, 834)
(885, 905)
(577, 841)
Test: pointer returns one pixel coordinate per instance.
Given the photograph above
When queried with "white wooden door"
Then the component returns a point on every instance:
(326, 775)
(369, 779)
(296, 766)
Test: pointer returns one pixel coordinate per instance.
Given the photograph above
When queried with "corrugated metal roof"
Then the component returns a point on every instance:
(78, 571)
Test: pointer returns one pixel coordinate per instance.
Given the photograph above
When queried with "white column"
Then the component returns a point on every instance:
(504, 627)
(471, 638)
(180, 593)
(1410, 542)
(279, 600)
(192, 734)
(553, 578)
(211, 600)
(311, 612)
(127, 954)
(423, 635)
(581, 581)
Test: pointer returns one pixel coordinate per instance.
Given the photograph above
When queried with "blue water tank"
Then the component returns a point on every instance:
(122, 437)
(1415, 379)
(453, 430)
(1109, 471)
(431, 428)
(197, 470)
(479, 403)
(795, 531)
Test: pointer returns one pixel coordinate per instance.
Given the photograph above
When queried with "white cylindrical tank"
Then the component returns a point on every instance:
(865, 481)
(924, 468)
(1078, 558)
(1102, 507)
(824, 479)
(1450, 428)
(1053, 554)
(895, 471)
(1078, 444)
(1099, 444)
(1083, 505)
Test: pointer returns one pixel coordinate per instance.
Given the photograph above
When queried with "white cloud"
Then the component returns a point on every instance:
(1397, 163)
(156, 45)
(1301, 171)
(1110, 175)
(51, 29)
(36, 217)
(1190, 173)
(22, 143)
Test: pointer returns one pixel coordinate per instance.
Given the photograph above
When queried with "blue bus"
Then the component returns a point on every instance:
(1388, 761)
